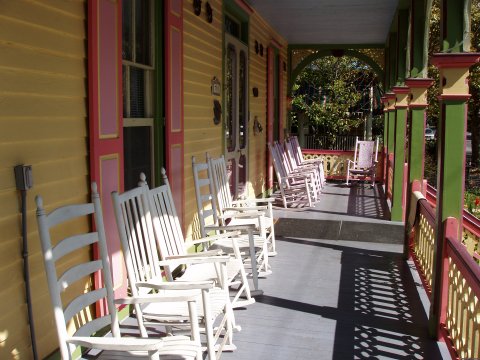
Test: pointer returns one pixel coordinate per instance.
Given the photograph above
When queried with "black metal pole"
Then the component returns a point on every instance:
(26, 273)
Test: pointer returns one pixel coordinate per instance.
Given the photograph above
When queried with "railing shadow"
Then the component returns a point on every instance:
(379, 312)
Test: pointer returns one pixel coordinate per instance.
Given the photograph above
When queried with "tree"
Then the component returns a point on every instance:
(333, 94)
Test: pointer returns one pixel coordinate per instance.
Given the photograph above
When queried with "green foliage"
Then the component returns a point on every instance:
(331, 92)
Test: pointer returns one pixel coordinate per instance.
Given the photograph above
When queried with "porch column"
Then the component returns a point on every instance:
(454, 70)
(453, 63)
(418, 106)
(390, 116)
(398, 189)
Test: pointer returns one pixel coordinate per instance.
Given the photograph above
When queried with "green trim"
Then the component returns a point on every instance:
(391, 131)
(368, 60)
(420, 36)
(159, 122)
(403, 22)
(231, 9)
(417, 145)
(399, 165)
(385, 131)
(392, 61)
(453, 145)
(453, 24)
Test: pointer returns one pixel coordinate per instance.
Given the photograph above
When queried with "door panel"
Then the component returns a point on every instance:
(236, 114)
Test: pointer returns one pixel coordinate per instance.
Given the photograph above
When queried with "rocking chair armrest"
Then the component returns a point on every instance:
(240, 228)
(176, 261)
(115, 343)
(242, 214)
(195, 255)
(259, 200)
(216, 237)
(246, 208)
(176, 285)
(156, 298)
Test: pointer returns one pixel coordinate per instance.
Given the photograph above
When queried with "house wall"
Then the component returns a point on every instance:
(202, 60)
(43, 110)
(261, 31)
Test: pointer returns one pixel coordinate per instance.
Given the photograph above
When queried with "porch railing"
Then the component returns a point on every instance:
(335, 162)
(460, 280)
(341, 143)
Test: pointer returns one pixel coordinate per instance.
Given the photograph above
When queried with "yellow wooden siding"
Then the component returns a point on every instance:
(203, 60)
(202, 56)
(43, 109)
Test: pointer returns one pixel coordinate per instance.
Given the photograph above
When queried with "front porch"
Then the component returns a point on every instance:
(352, 295)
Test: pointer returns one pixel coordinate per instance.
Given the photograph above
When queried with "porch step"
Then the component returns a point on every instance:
(377, 232)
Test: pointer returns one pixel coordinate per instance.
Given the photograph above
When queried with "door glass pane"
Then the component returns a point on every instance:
(137, 154)
(124, 91)
(242, 175)
(242, 97)
(231, 174)
(231, 70)
(127, 38)
(142, 32)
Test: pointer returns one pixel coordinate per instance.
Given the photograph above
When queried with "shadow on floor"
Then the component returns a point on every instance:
(379, 313)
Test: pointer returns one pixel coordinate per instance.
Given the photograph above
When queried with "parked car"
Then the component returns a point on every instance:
(430, 134)
(468, 148)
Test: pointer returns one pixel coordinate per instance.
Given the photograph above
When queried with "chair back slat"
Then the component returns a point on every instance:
(204, 192)
(137, 238)
(57, 253)
(218, 171)
(77, 272)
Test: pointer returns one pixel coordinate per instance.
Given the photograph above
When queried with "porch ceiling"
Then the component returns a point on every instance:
(328, 22)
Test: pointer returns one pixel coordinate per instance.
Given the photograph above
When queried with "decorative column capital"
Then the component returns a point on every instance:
(454, 74)
(402, 95)
(389, 101)
(418, 88)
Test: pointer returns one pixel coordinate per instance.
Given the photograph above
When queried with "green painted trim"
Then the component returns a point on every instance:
(420, 36)
(368, 60)
(402, 44)
(391, 131)
(452, 25)
(336, 46)
(417, 145)
(392, 61)
(399, 164)
(385, 131)
(231, 9)
(159, 125)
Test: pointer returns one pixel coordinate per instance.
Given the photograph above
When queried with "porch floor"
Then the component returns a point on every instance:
(340, 288)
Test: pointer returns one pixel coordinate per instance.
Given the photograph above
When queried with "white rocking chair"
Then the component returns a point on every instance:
(145, 228)
(85, 336)
(364, 164)
(253, 247)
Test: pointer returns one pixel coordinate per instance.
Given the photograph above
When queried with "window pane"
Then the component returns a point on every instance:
(231, 69)
(142, 32)
(232, 27)
(137, 154)
(127, 40)
(137, 92)
(242, 101)
(124, 91)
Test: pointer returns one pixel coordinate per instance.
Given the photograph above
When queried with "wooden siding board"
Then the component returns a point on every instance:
(43, 120)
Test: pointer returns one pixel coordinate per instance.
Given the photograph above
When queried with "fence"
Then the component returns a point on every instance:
(341, 142)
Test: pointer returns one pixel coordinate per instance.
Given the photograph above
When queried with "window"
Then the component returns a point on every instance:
(138, 89)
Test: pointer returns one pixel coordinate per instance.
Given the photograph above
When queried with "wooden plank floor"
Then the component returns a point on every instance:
(336, 298)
